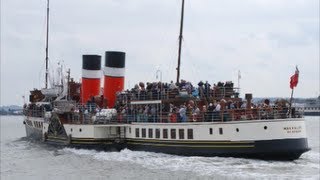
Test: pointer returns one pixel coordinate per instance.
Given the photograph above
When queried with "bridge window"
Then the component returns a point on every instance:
(190, 133)
(157, 133)
(143, 132)
(137, 132)
(181, 133)
(150, 133)
(165, 133)
(173, 133)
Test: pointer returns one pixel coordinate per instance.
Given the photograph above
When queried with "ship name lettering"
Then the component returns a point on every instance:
(292, 129)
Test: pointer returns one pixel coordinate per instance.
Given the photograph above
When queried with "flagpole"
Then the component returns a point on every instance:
(290, 105)
(293, 83)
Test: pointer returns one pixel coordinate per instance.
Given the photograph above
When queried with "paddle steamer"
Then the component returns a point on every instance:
(175, 118)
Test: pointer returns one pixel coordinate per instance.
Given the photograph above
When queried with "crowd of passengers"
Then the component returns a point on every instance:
(35, 110)
(193, 111)
(160, 90)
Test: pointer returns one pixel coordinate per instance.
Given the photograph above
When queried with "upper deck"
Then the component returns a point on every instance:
(170, 103)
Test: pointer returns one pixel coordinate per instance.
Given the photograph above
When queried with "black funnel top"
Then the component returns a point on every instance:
(115, 59)
(91, 62)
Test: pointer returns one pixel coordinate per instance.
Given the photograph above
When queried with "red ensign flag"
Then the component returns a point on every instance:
(294, 79)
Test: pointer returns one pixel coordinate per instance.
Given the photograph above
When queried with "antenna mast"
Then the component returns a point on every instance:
(180, 41)
(47, 45)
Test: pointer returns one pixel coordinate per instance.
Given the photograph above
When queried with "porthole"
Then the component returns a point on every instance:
(220, 131)
(237, 129)
(71, 129)
(210, 131)
(80, 129)
(265, 127)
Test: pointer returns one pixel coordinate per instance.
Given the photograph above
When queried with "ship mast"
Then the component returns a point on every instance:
(47, 45)
(180, 41)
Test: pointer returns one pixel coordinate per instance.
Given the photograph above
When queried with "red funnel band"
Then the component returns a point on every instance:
(90, 84)
(112, 85)
(89, 88)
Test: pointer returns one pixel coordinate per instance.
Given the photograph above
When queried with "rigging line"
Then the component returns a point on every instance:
(180, 41)
(40, 40)
(47, 46)
(171, 70)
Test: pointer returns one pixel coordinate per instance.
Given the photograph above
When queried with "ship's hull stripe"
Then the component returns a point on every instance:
(189, 141)
(194, 146)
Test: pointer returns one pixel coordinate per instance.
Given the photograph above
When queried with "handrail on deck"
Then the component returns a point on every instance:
(217, 92)
(175, 117)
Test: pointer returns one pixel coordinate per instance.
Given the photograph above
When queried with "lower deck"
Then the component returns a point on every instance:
(264, 139)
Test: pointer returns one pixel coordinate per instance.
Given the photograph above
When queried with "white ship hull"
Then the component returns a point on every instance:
(33, 127)
(265, 139)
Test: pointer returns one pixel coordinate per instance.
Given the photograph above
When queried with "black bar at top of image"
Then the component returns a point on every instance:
(91, 62)
(115, 59)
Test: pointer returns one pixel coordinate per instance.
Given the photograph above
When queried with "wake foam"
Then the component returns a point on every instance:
(203, 166)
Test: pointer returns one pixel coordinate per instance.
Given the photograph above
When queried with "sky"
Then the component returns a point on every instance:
(263, 39)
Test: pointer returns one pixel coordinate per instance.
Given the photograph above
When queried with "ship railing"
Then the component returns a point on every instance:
(87, 117)
(34, 112)
(65, 106)
(217, 92)
(75, 107)
(214, 116)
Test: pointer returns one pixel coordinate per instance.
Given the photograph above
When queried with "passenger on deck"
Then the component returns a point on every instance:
(173, 114)
(145, 113)
(153, 113)
(224, 114)
(135, 91)
(218, 107)
(207, 89)
(189, 87)
(172, 85)
(216, 112)
(140, 117)
(182, 112)
(201, 90)
(195, 114)
(182, 84)
(209, 114)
